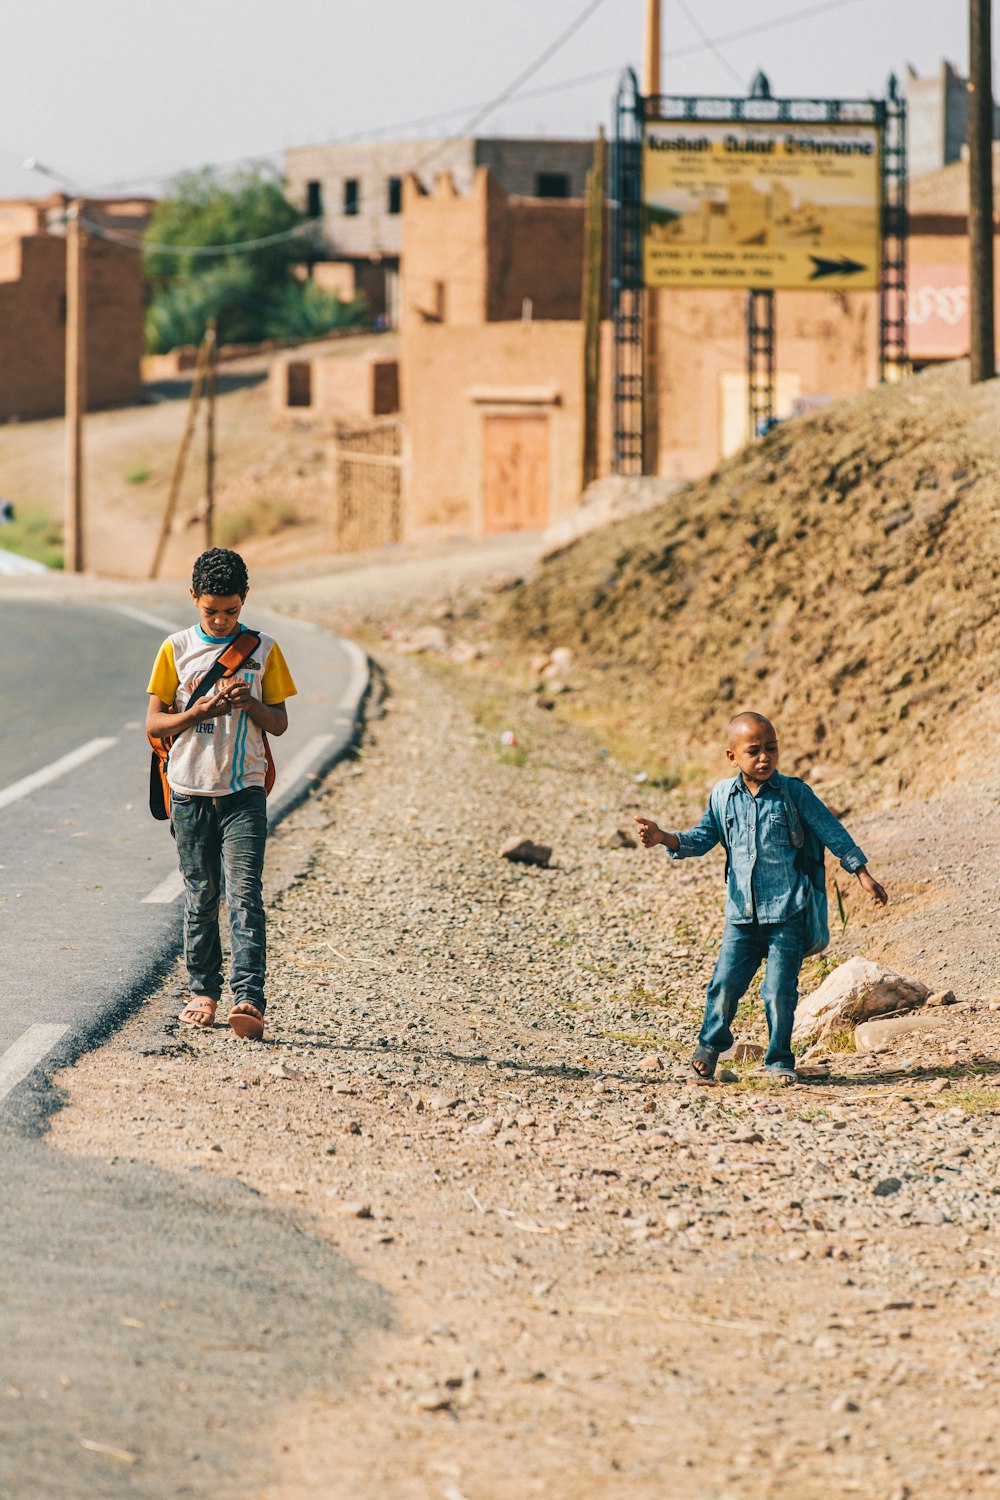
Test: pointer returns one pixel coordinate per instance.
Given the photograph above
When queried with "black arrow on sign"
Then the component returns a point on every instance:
(841, 267)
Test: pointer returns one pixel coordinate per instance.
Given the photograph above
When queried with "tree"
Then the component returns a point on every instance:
(253, 293)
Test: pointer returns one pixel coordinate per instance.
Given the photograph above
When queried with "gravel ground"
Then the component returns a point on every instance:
(608, 1279)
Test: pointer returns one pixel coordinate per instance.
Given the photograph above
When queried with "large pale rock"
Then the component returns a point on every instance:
(856, 991)
(875, 1036)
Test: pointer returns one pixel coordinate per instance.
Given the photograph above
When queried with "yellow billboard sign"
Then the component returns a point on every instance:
(770, 204)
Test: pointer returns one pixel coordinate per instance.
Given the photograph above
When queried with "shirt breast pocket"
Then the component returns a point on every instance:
(778, 828)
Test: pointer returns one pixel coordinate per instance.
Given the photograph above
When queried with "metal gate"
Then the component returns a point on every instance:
(368, 465)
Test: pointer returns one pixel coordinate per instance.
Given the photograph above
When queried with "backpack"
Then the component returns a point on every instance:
(809, 858)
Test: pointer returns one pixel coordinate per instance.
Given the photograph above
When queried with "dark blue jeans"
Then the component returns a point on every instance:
(219, 836)
(744, 945)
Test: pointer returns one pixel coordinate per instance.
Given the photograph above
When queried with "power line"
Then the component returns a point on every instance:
(237, 247)
(487, 109)
(712, 45)
(788, 18)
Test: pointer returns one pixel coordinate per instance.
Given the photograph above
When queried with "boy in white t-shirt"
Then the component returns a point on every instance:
(216, 770)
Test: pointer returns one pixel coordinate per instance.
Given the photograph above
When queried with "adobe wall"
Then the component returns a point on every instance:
(827, 341)
(443, 277)
(454, 376)
(33, 327)
(534, 254)
(341, 387)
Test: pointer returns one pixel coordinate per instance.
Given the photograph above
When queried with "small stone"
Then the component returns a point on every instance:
(525, 1119)
(442, 1102)
(841, 1404)
(352, 1128)
(651, 1063)
(432, 1401)
(522, 851)
(353, 1208)
(282, 1070)
(747, 1052)
(488, 1126)
(622, 839)
(728, 1076)
(748, 1138)
(942, 997)
(886, 1186)
(931, 1215)
(216, 1147)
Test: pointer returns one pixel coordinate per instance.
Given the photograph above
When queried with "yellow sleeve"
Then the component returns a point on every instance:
(276, 684)
(164, 681)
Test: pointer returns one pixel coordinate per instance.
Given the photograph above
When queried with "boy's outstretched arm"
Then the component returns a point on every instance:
(834, 836)
(651, 834)
(698, 840)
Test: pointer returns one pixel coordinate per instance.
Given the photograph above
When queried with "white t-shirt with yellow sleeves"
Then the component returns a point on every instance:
(226, 754)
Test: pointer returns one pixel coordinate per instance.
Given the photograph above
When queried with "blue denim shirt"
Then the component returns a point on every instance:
(764, 883)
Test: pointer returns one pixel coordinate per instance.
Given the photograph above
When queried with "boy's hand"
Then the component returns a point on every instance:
(650, 834)
(877, 892)
(237, 692)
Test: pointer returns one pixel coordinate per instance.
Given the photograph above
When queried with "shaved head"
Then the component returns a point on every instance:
(746, 723)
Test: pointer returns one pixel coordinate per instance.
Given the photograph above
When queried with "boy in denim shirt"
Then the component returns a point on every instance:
(768, 892)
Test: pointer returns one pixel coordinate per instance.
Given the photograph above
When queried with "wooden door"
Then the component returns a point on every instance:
(515, 472)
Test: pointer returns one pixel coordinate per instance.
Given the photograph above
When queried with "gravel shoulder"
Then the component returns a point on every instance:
(606, 1279)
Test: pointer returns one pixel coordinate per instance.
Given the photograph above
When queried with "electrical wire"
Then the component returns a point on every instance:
(710, 43)
(237, 247)
(494, 104)
(788, 18)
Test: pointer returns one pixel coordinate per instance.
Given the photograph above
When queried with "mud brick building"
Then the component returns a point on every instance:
(357, 190)
(33, 308)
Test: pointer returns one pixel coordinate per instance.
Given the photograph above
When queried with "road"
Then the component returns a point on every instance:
(149, 1322)
(89, 893)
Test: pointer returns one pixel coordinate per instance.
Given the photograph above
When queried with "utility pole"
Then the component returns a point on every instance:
(650, 311)
(982, 363)
(76, 385)
(211, 383)
(593, 289)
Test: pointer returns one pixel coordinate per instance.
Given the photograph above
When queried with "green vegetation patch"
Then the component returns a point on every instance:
(34, 533)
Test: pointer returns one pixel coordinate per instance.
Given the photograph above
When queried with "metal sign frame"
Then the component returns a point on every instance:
(632, 111)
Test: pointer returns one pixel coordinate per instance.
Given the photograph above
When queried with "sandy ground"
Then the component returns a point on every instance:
(607, 1279)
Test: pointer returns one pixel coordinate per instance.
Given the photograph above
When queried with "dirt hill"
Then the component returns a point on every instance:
(839, 576)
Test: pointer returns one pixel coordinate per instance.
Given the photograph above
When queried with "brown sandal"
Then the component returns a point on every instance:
(200, 1012)
(247, 1021)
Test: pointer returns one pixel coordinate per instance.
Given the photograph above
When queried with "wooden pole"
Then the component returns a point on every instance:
(76, 387)
(211, 383)
(651, 301)
(593, 285)
(982, 362)
(182, 453)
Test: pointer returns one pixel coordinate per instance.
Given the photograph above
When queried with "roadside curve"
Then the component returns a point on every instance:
(88, 882)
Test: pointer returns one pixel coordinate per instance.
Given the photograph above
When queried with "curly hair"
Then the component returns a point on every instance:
(220, 572)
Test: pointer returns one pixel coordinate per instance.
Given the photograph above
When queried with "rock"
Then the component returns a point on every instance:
(426, 638)
(488, 1126)
(856, 991)
(728, 1076)
(939, 1086)
(748, 1137)
(524, 852)
(353, 1209)
(443, 1101)
(942, 997)
(558, 663)
(930, 1214)
(874, 1036)
(432, 1401)
(886, 1186)
(622, 839)
(747, 1052)
(650, 1063)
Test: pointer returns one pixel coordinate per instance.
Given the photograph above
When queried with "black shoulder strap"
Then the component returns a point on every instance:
(232, 656)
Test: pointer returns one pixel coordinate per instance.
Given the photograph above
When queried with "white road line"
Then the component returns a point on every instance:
(300, 763)
(168, 890)
(53, 771)
(26, 1053)
(358, 680)
(145, 618)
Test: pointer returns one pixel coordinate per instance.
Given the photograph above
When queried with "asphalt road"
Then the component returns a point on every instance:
(150, 1324)
(89, 892)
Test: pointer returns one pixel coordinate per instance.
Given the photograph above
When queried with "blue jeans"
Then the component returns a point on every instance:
(216, 836)
(743, 947)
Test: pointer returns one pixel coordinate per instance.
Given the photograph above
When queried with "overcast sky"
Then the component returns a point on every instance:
(122, 93)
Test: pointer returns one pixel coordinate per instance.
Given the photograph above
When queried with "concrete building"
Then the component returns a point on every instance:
(937, 110)
(357, 190)
(33, 308)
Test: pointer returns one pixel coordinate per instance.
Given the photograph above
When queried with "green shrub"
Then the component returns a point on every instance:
(263, 517)
(34, 533)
